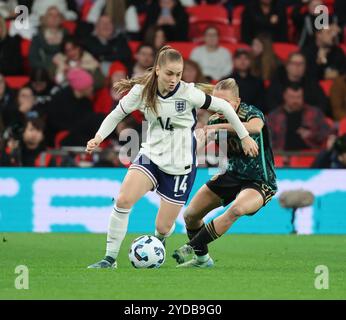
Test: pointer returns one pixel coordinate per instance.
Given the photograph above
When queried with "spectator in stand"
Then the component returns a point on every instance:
(41, 85)
(304, 16)
(75, 56)
(144, 57)
(296, 125)
(10, 58)
(7, 102)
(123, 14)
(214, 60)
(107, 47)
(338, 97)
(171, 16)
(26, 148)
(334, 157)
(156, 37)
(325, 60)
(24, 107)
(192, 72)
(264, 60)
(251, 88)
(262, 16)
(48, 41)
(71, 109)
(294, 71)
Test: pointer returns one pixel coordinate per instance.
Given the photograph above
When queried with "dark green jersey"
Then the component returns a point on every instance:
(260, 168)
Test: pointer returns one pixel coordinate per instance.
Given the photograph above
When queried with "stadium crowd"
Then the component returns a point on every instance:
(56, 75)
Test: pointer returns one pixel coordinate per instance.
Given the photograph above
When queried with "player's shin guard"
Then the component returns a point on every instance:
(117, 229)
(205, 235)
(163, 236)
(200, 250)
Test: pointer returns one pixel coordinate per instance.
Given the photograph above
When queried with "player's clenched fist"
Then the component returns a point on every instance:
(250, 146)
(93, 144)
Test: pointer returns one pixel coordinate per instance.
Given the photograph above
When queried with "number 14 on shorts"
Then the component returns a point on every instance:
(180, 186)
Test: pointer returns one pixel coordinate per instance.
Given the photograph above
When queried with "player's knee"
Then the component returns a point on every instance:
(236, 212)
(124, 201)
(189, 217)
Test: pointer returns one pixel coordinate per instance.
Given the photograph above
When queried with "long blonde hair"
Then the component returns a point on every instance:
(149, 80)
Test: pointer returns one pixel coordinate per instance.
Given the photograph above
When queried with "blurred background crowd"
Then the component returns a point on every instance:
(56, 76)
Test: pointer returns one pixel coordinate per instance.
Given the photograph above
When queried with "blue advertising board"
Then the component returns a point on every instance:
(80, 200)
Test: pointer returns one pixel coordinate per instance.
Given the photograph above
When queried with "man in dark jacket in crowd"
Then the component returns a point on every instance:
(295, 72)
(296, 125)
(106, 46)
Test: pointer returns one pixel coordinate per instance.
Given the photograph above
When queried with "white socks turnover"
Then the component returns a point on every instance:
(117, 229)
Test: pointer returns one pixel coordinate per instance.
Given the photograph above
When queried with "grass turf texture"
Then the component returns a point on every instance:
(247, 267)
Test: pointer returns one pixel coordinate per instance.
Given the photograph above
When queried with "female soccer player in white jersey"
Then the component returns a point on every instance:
(166, 161)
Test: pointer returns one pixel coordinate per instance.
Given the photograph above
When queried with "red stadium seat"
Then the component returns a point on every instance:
(283, 50)
(142, 17)
(87, 4)
(343, 47)
(208, 13)
(290, 25)
(279, 161)
(70, 26)
(61, 135)
(204, 15)
(237, 16)
(134, 46)
(342, 126)
(184, 48)
(25, 48)
(326, 85)
(16, 82)
(302, 161)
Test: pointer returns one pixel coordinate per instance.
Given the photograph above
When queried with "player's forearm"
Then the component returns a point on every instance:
(221, 106)
(250, 127)
(109, 124)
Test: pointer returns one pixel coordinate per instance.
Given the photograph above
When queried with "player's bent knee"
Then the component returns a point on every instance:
(189, 217)
(124, 201)
(236, 212)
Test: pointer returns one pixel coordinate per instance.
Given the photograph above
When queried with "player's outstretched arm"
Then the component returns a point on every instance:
(126, 105)
(249, 145)
(106, 128)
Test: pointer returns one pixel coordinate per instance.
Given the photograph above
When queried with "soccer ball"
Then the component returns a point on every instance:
(147, 252)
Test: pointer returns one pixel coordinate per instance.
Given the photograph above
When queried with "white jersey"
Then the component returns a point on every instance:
(170, 141)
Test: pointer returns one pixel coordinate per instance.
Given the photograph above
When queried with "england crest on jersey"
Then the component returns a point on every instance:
(180, 106)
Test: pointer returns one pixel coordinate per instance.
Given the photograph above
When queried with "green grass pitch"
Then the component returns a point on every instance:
(247, 267)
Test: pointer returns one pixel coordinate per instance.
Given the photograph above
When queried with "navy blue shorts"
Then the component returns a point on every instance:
(173, 189)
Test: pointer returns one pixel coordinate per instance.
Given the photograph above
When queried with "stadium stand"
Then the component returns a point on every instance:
(227, 20)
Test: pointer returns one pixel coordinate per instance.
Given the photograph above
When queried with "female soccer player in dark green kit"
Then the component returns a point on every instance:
(250, 182)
